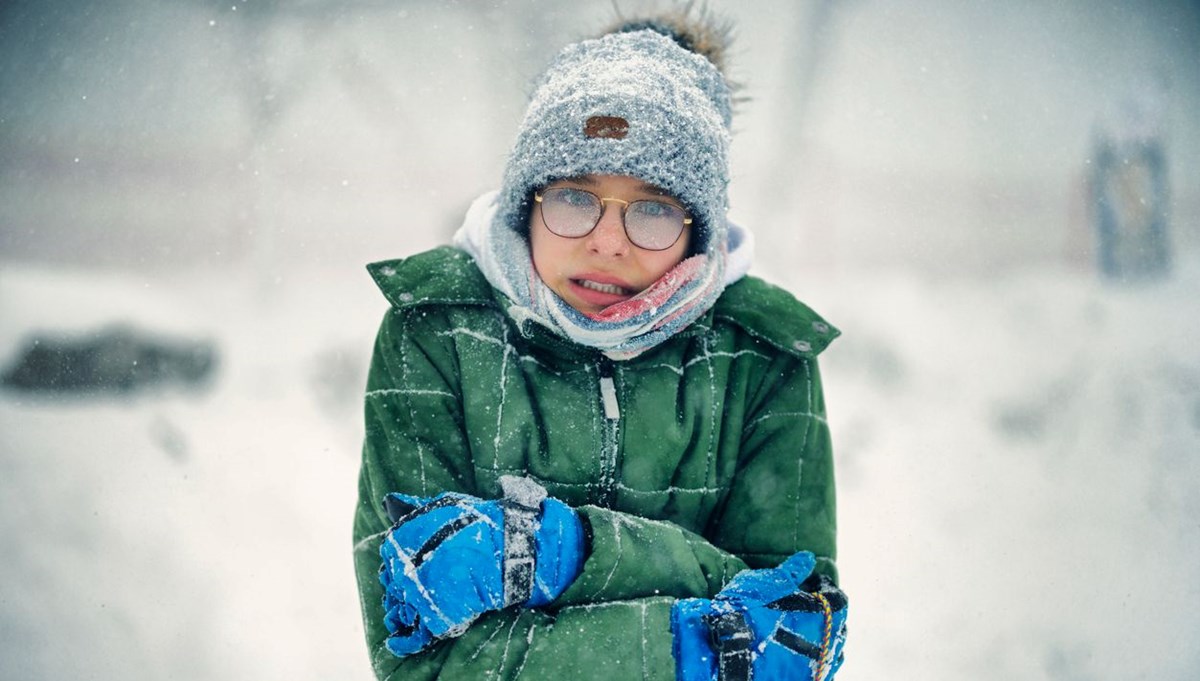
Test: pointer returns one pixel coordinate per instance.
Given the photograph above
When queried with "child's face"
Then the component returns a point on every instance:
(602, 268)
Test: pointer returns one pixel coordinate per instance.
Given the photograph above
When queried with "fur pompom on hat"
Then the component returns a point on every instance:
(633, 102)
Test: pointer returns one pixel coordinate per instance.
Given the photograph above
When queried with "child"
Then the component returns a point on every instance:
(584, 420)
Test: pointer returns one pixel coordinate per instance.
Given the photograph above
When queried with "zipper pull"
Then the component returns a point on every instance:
(608, 392)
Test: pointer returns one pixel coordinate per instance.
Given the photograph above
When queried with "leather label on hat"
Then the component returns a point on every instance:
(608, 127)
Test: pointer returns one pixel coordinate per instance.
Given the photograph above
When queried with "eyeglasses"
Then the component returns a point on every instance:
(574, 213)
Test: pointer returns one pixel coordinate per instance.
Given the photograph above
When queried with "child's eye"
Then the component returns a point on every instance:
(656, 209)
(575, 198)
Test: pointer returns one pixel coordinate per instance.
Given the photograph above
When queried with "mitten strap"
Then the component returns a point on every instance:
(522, 502)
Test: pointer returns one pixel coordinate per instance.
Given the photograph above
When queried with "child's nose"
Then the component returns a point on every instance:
(608, 238)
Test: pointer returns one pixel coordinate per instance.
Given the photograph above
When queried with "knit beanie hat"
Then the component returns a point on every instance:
(632, 103)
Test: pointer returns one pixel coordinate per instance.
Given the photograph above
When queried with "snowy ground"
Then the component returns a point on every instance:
(187, 536)
(1019, 464)
(1018, 475)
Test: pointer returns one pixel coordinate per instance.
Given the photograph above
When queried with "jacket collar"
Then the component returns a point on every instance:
(442, 276)
(448, 276)
(771, 314)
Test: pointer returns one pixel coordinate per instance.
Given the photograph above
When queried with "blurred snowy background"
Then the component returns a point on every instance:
(1017, 433)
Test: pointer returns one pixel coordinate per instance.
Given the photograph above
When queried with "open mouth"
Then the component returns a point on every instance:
(611, 289)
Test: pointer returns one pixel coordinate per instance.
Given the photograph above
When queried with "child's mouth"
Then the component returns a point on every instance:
(611, 289)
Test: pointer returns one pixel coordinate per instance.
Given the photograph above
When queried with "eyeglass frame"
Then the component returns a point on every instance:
(687, 220)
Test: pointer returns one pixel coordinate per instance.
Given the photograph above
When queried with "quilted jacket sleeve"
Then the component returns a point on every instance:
(782, 496)
(612, 623)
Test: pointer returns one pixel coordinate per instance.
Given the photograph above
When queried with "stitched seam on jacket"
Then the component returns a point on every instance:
(406, 379)
(800, 459)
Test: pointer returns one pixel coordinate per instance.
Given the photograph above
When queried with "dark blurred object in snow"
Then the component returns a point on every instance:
(1130, 194)
(338, 377)
(115, 359)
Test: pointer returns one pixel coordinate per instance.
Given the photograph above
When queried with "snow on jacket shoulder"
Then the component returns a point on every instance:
(713, 456)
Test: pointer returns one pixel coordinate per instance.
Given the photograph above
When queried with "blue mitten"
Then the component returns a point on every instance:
(779, 623)
(449, 559)
(407, 633)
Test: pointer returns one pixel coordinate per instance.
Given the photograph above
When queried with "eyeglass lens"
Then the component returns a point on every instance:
(573, 213)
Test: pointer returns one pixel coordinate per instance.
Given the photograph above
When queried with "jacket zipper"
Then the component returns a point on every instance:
(610, 430)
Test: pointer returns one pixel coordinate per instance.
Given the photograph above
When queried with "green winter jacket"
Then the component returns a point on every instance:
(714, 456)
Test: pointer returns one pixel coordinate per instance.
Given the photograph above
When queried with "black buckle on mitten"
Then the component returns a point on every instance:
(731, 638)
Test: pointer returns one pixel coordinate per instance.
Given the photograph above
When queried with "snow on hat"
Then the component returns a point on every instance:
(630, 103)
